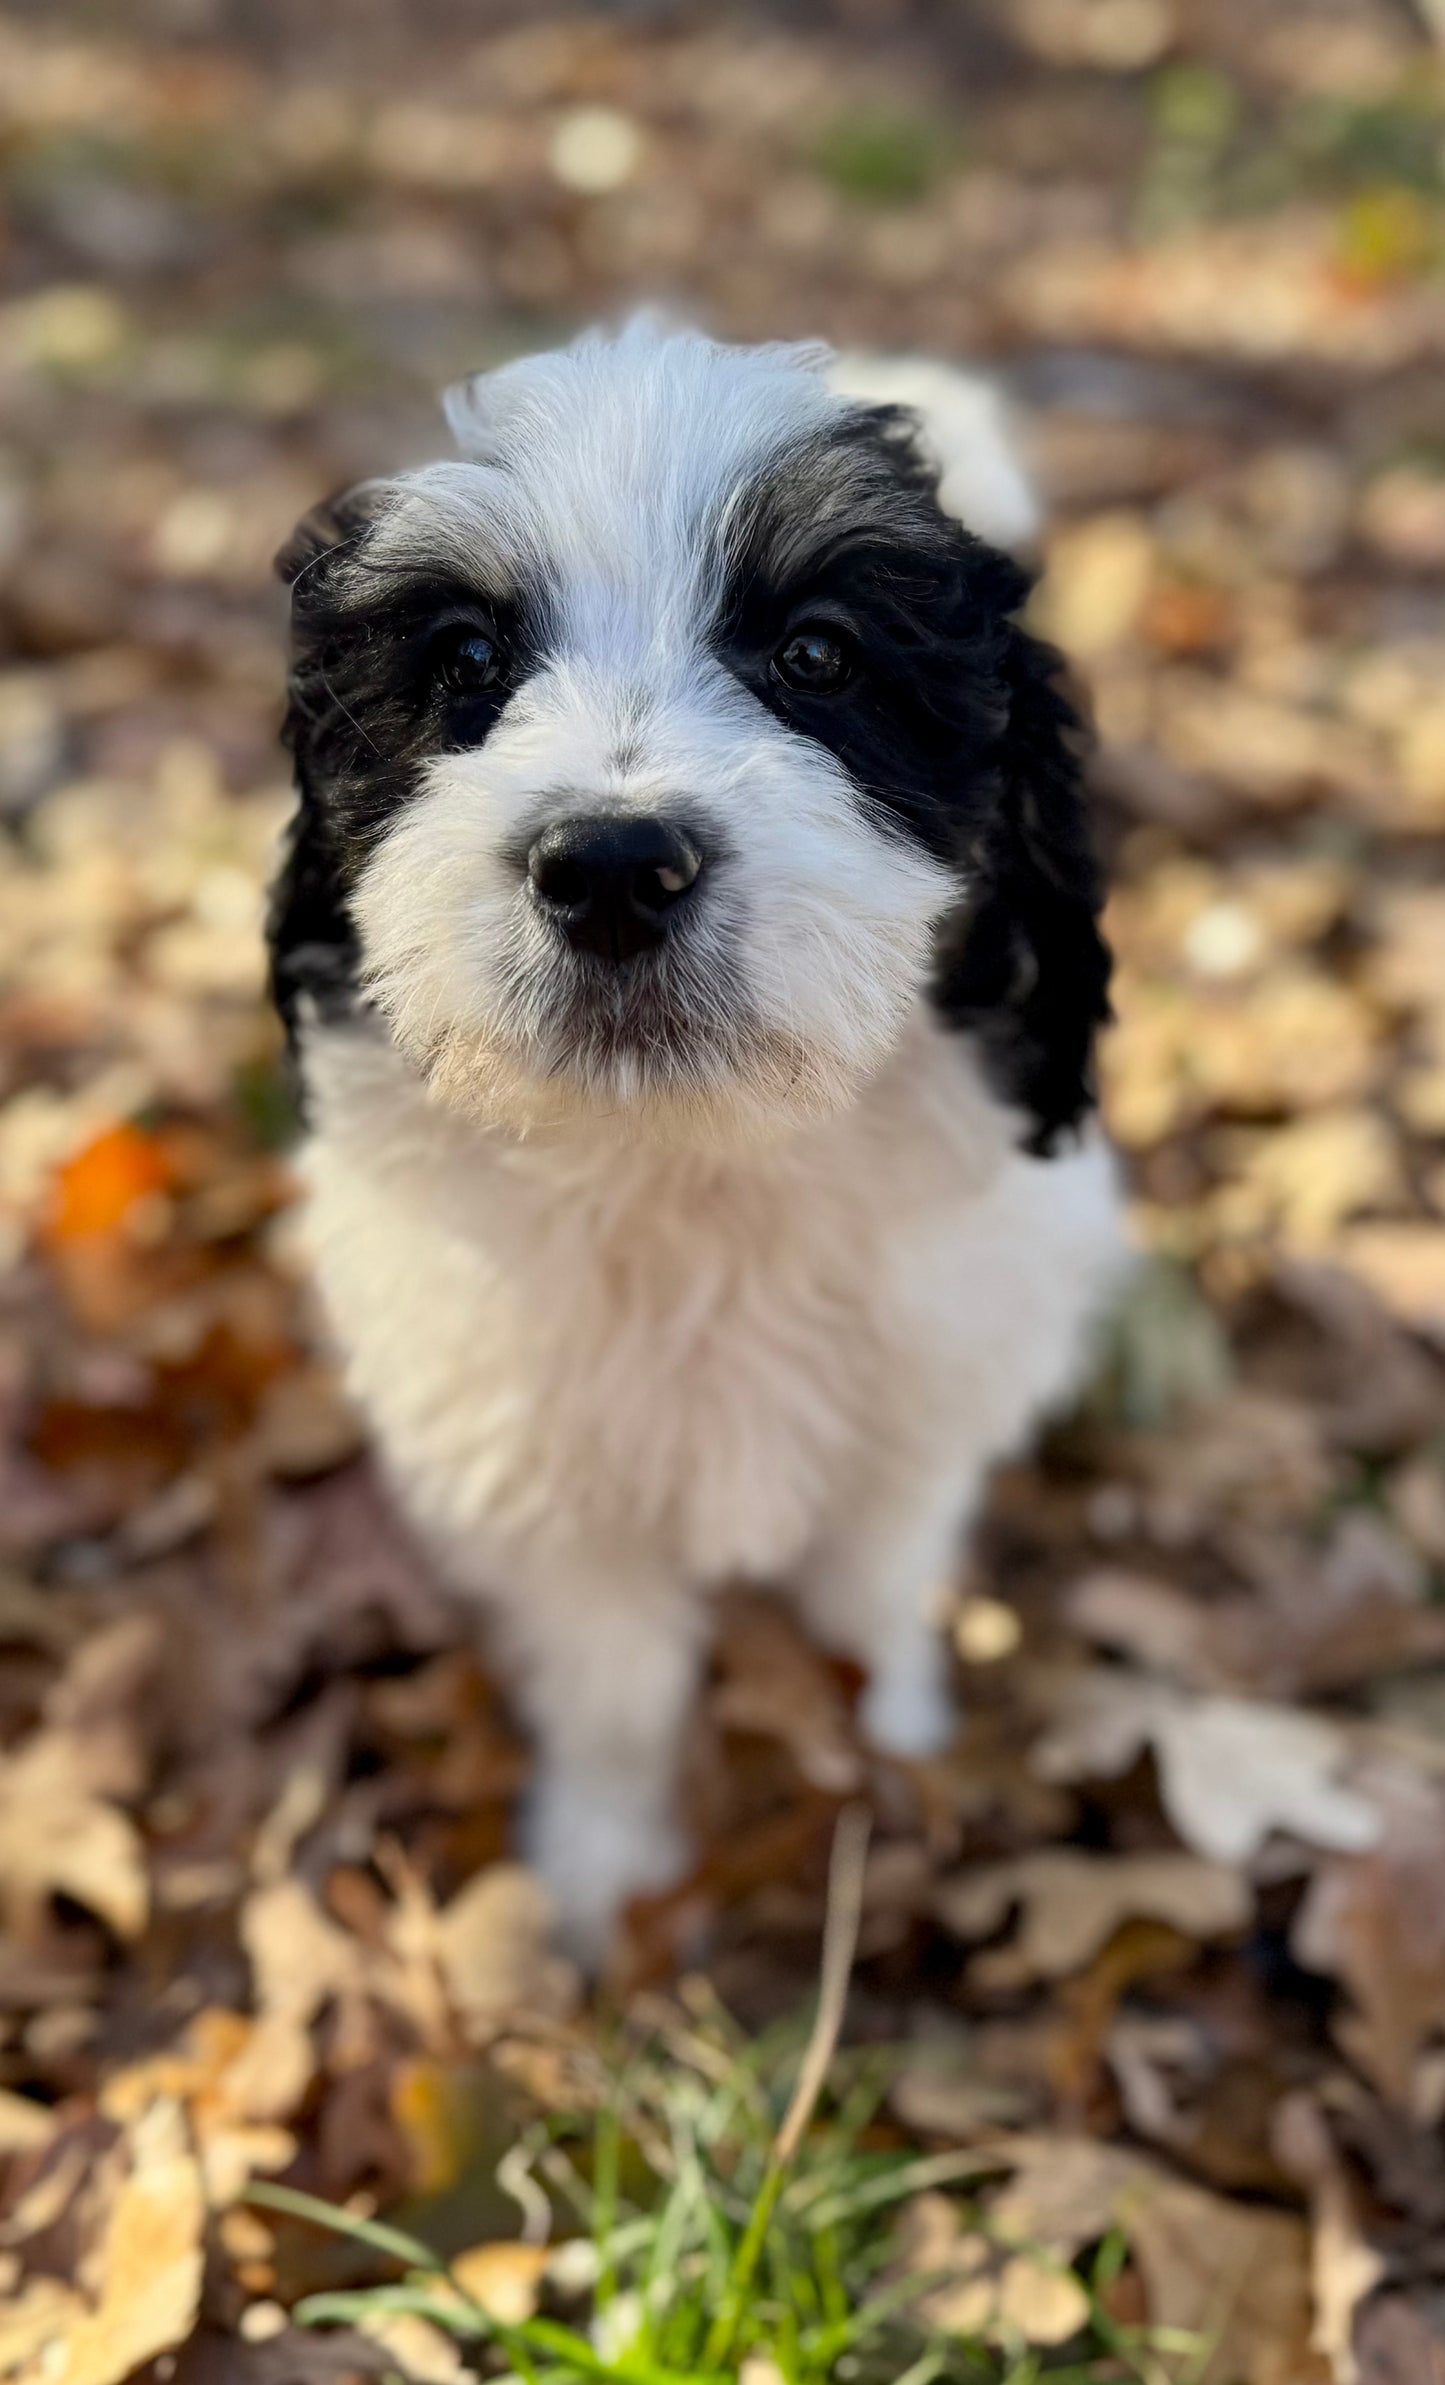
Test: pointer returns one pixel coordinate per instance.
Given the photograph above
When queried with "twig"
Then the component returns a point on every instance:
(840, 1944)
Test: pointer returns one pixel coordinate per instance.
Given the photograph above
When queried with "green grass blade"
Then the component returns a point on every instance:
(337, 2222)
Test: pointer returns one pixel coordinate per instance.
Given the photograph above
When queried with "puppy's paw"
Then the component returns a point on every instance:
(595, 1848)
(909, 1714)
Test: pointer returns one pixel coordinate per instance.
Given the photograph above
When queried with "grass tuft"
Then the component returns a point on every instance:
(733, 2205)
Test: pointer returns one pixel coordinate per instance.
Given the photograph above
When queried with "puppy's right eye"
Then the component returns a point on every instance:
(814, 661)
(469, 663)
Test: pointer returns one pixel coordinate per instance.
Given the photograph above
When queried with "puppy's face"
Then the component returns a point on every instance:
(655, 760)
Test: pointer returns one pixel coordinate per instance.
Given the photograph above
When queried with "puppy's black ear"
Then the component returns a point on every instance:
(332, 528)
(1025, 967)
(310, 933)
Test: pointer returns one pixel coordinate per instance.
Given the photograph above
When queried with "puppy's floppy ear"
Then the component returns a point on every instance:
(332, 528)
(1025, 967)
(312, 940)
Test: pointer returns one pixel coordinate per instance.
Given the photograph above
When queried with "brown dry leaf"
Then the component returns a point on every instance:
(1402, 514)
(1375, 1921)
(338, 1571)
(48, 2196)
(214, 2074)
(1344, 2269)
(1160, 1626)
(1297, 1040)
(148, 2265)
(1419, 743)
(1292, 1039)
(59, 1827)
(1098, 33)
(1307, 1177)
(1217, 289)
(1313, 1619)
(478, 1961)
(1400, 2343)
(1405, 965)
(1072, 1904)
(1405, 1264)
(493, 1952)
(24, 2125)
(304, 1425)
(504, 2278)
(300, 1960)
(992, 2078)
(1234, 2277)
(777, 1686)
(1416, 1493)
(1097, 579)
(1248, 1454)
(1231, 1771)
(1270, 751)
(423, 2353)
(986, 2288)
(1231, 2273)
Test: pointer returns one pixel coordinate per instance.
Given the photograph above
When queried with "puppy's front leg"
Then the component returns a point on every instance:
(602, 1652)
(874, 1587)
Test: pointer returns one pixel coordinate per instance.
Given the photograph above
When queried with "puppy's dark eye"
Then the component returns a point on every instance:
(814, 662)
(469, 663)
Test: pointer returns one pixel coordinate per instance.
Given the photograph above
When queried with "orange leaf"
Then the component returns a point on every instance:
(94, 1191)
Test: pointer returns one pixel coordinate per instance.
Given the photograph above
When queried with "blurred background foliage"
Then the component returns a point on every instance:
(1166, 1931)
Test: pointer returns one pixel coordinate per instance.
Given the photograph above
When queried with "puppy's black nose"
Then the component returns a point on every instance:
(610, 880)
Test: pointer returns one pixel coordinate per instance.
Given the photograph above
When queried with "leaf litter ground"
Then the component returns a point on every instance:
(1144, 2072)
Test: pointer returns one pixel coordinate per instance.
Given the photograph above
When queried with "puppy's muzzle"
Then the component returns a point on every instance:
(612, 883)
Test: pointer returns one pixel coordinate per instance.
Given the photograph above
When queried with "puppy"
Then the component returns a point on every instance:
(689, 939)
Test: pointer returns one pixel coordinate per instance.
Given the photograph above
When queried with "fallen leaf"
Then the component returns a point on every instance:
(987, 2288)
(777, 1686)
(24, 2124)
(1310, 1175)
(1400, 2344)
(1097, 579)
(300, 1960)
(423, 2353)
(60, 1829)
(504, 2278)
(1374, 1920)
(213, 2073)
(1233, 2277)
(1405, 1264)
(148, 2264)
(1344, 2268)
(1072, 1903)
(96, 1191)
(1231, 1770)
(492, 1944)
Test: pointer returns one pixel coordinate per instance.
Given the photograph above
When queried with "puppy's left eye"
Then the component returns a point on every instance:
(469, 663)
(814, 661)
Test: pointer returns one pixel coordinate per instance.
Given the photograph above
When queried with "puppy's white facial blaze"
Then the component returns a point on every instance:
(806, 940)
(601, 499)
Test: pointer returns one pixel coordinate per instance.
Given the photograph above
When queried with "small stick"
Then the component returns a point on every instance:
(840, 1944)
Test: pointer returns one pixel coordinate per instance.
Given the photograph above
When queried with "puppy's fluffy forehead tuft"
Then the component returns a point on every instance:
(612, 461)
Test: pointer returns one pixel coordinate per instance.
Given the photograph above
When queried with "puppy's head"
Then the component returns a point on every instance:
(659, 757)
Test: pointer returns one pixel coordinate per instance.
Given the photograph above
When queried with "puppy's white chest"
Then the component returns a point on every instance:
(703, 1360)
(649, 1351)
(664, 1349)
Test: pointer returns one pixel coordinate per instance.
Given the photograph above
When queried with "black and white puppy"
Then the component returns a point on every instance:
(689, 936)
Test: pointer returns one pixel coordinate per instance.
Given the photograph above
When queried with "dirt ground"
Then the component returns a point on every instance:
(1166, 1932)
